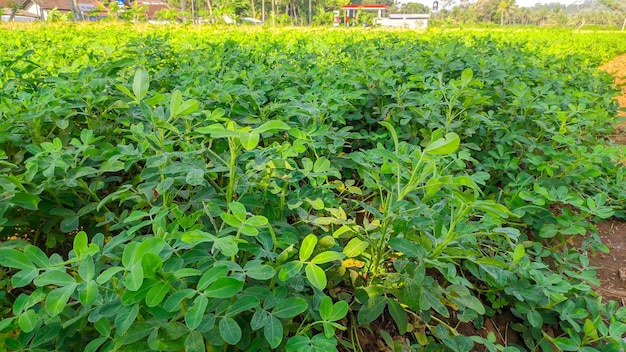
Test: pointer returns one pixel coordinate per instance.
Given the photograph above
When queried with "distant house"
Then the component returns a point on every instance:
(382, 17)
(30, 10)
(40, 9)
(411, 21)
(7, 7)
(153, 6)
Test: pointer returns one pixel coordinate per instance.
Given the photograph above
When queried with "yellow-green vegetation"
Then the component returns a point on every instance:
(204, 188)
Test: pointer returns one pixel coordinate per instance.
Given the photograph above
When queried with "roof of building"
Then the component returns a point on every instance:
(153, 6)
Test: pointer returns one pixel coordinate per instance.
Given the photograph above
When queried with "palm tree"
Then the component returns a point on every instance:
(504, 8)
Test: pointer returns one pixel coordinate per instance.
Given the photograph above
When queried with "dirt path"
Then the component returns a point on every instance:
(612, 266)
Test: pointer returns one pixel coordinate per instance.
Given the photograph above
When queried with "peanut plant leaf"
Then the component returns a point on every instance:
(230, 330)
(15, 259)
(316, 276)
(307, 247)
(194, 342)
(141, 84)
(224, 287)
(289, 308)
(446, 145)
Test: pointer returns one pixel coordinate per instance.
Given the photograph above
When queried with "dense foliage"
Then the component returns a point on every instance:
(183, 189)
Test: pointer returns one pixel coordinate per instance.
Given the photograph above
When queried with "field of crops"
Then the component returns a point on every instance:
(206, 189)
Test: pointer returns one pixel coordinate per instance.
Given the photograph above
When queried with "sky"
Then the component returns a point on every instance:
(522, 3)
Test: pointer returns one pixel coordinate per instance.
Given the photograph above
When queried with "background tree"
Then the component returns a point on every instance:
(411, 7)
(619, 7)
(505, 7)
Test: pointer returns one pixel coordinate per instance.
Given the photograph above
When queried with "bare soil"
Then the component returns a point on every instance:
(612, 266)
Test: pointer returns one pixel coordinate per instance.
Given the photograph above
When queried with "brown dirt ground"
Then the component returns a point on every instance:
(612, 266)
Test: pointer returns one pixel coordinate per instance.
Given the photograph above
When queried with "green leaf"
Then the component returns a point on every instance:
(57, 299)
(230, 219)
(273, 331)
(12, 258)
(70, 223)
(238, 210)
(186, 272)
(195, 177)
(355, 247)
(134, 278)
(257, 221)
(463, 297)
(249, 140)
(442, 146)
(249, 231)
(86, 269)
(406, 247)
(45, 335)
(176, 101)
(103, 326)
(193, 318)
(24, 277)
(5, 323)
(316, 276)
(321, 165)
(28, 321)
(317, 203)
(242, 304)
(55, 277)
(392, 131)
(326, 257)
(518, 253)
(224, 287)
(174, 301)
(197, 237)
(124, 90)
(211, 275)
(93, 345)
(217, 131)
(326, 308)
(289, 270)
(188, 107)
(228, 245)
(399, 315)
(298, 344)
(259, 319)
(156, 294)
(459, 343)
(307, 247)
(372, 310)
(37, 256)
(340, 309)
(230, 330)
(534, 318)
(108, 274)
(259, 272)
(272, 125)
(565, 344)
(125, 318)
(141, 84)
(491, 208)
(88, 292)
(617, 330)
(466, 76)
(290, 307)
(25, 200)
(194, 342)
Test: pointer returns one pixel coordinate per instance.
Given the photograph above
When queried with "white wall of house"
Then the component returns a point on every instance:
(410, 21)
